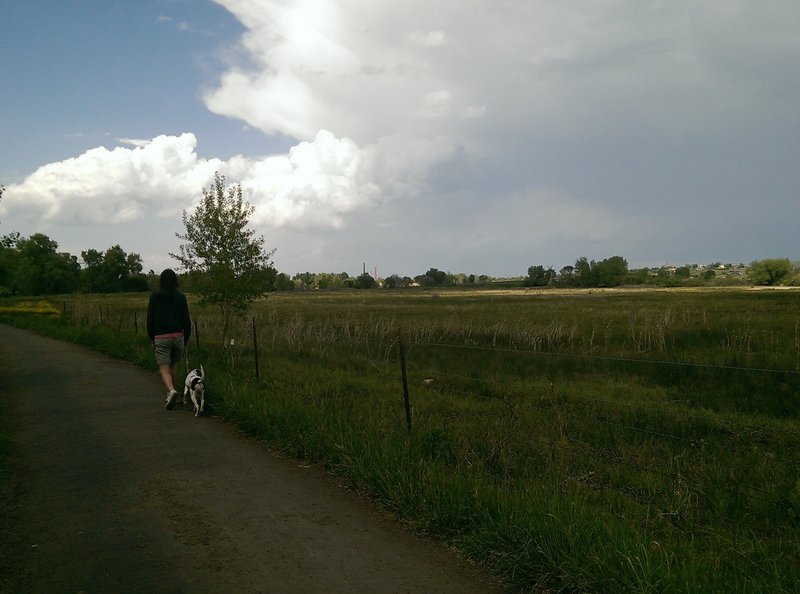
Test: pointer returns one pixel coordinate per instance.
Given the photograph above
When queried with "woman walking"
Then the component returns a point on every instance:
(169, 329)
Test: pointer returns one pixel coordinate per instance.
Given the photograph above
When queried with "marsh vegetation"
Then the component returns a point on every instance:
(626, 440)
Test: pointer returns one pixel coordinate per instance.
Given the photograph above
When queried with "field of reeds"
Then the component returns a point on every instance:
(577, 441)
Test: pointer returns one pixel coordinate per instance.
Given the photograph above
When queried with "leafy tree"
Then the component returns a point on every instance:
(304, 280)
(770, 272)
(610, 272)
(639, 276)
(539, 276)
(10, 241)
(135, 281)
(322, 280)
(41, 269)
(365, 281)
(458, 278)
(223, 252)
(396, 282)
(115, 268)
(567, 274)
(113, 271)
(330, 280)
(282, 282)
(424, 280)
(93, 269)
(9, 261)
(584, 271)
(439, 276)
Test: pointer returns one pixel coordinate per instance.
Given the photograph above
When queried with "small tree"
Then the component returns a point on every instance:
(439, 276)
(281, 281)
(770, 272)
(365, 281)
(539, 276)
(9, 262)
(424, 280)
(395, 281)
(224, 255)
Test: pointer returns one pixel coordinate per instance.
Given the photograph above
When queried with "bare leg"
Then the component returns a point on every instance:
(173, 372)
(168, 375)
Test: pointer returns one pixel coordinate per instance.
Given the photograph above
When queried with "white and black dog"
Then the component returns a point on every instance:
(196, 387)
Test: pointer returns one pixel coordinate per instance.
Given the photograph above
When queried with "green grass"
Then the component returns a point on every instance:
(576, 441)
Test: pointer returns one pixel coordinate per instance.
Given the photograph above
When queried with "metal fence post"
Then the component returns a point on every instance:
(406, 399)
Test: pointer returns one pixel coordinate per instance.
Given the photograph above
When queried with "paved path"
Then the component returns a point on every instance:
(111, 493)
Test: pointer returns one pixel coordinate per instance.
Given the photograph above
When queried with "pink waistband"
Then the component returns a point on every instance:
(173, 335)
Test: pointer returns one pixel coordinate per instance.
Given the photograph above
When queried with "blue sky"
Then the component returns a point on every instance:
(483, 136)
(85, 73)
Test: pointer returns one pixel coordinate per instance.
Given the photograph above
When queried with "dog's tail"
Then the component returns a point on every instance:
(202, 372)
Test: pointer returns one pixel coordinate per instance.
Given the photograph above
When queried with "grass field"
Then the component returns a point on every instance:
(626, 440)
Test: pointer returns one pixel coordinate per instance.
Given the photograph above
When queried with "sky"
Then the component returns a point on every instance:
(474, 136)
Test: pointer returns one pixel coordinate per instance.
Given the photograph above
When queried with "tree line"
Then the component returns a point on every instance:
(614, 272)
(226, 264)
(609, 272)
(433, 277)
(34, 266)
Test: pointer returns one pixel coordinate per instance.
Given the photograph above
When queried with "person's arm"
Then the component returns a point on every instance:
(187, 322)
(151, 322)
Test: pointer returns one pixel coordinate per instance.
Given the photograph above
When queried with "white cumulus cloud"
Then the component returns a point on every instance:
(119, 185)
(315, 185)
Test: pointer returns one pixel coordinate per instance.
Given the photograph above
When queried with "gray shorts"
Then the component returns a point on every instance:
(169, 350)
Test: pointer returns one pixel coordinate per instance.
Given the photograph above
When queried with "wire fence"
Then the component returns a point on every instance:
(400, 360)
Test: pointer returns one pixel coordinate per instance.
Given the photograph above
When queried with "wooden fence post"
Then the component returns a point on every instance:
(255, 350)
(406, 399)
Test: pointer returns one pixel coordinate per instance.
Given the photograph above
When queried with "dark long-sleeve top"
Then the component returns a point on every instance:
(168, 312)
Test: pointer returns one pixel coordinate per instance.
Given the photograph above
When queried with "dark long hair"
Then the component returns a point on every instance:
(168, 280)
